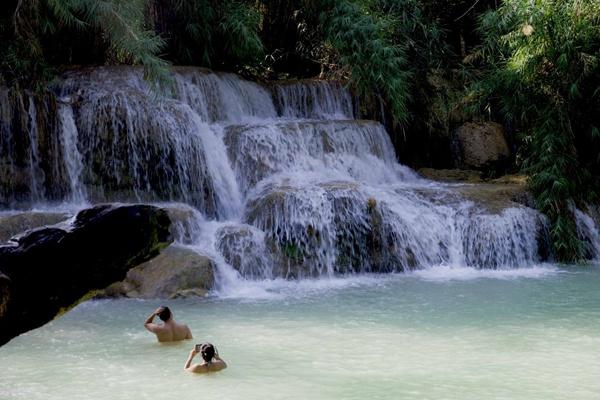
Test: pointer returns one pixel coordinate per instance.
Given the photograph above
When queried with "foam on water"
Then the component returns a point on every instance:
(445, 273)
(280, 289)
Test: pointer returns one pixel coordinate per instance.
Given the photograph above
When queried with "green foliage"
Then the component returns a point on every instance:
(543, 74)
(217, 31)
(376, 64)
(379, 45)
(384, 48)
(120, 23)
(292, 251)
(422, 37)
(239, 27)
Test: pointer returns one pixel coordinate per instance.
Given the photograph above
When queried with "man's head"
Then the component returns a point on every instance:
(164, 314)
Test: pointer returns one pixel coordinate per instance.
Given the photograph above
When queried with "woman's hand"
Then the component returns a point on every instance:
(188, 362)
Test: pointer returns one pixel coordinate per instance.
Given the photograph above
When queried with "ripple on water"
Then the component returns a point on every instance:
(487, 335)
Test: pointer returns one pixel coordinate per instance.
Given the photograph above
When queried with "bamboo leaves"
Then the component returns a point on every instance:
(542, 78)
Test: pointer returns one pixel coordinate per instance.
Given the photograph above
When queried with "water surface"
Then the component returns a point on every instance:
(443, 333)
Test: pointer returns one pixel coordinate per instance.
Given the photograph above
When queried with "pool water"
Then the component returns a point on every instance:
(443, 333)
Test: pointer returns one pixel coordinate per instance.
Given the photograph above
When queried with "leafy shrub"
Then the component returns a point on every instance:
(543, 75)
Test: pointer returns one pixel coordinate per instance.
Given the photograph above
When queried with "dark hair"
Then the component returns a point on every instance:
(165, 314)
(207, 351)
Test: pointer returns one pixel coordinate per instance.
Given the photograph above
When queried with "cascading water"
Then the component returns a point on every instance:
(589, 232)
(34, 152)
(313, 99)
(278, 182)
(73, 160)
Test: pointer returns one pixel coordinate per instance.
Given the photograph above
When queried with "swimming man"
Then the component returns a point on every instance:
(169, 331)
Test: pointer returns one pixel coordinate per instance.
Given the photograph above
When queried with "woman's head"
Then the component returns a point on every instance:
(207, 351)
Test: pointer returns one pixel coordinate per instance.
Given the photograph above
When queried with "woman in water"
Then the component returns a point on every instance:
(211, 360)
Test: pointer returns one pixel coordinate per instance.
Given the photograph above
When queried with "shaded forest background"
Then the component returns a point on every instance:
(422, 67)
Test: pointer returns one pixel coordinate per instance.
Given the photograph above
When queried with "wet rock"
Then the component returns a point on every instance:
(245, 249)
(497, 197)
(185, 222)
(14, 223)
(30, 151)
(481, 146)
(340, 231)
(175, 272)
(50, 268)
(451, 175)
(593, 210)
(494, 195)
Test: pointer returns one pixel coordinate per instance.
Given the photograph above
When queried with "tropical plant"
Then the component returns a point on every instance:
(216, 32)
(376, 65)
(543, 63)
(29, 24)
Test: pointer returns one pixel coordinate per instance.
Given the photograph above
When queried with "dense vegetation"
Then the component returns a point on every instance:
(532, 65)
(542, 63)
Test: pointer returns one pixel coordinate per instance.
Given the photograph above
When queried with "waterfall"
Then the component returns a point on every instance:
(360, 150)
(73, 161)
(222, 97)
(30, 150)
(589, 233)
(34, 169)
(275, 181)
(313, 99)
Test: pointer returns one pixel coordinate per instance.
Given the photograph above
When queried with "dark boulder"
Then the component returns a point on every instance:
(481, 146)
(50, 268)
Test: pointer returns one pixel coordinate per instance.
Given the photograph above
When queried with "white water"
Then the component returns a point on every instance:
(72, 156)
(34, 157)
(309, 217)
(313, 99)
(282, 181)
(589, 232)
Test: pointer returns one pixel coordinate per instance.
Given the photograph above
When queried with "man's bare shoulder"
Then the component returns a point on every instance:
(155, 328)
(184, 329)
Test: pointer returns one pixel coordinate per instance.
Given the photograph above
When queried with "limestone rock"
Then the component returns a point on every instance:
(451, 175)
(175, 272)
(14, 223)
(481, 146)
(496, 197)
(493, 195)
(245, 249)
(50, 268)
